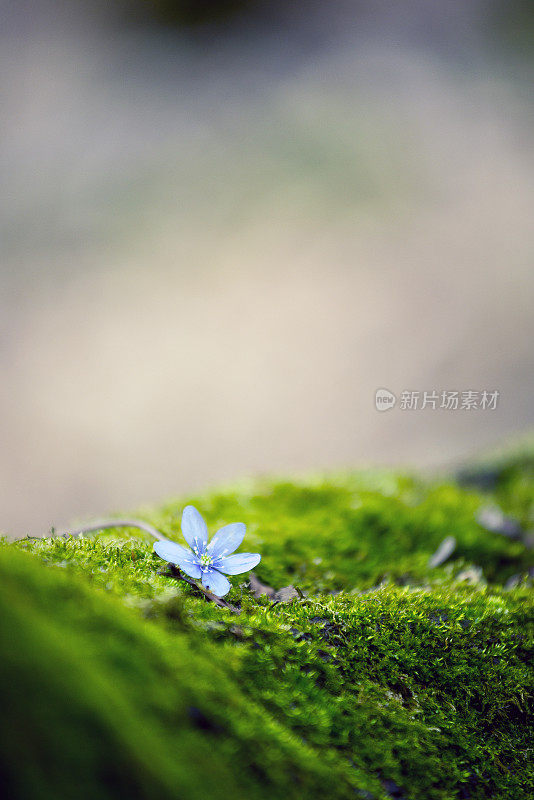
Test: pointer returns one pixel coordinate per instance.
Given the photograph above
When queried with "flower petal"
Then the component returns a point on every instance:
(216, 582)
(227, 539)
(194, 529)
(181, 556)
(240, 562)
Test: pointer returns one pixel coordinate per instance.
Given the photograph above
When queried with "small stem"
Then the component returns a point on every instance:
(115, 523)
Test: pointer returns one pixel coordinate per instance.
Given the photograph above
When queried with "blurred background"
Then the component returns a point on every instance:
(224, 225)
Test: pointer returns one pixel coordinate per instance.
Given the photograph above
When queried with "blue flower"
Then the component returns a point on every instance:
(208, 561)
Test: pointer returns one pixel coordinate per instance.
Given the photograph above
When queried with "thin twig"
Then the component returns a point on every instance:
(173, 571)
(103, 524)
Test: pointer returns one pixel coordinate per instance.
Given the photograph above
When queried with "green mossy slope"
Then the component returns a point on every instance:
(388, 678)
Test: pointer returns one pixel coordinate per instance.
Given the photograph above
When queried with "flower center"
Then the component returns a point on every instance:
(206, 560)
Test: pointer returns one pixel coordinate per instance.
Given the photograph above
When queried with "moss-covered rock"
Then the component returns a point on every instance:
(386, 678)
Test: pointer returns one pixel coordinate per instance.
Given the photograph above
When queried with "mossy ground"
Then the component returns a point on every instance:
(388, 678)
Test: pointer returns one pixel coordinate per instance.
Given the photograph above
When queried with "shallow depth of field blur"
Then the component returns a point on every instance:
(218, 240)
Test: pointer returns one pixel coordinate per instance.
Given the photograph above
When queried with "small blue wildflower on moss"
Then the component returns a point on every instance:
(208, 561)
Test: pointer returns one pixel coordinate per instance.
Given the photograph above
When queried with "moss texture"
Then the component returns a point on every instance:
(387, 678)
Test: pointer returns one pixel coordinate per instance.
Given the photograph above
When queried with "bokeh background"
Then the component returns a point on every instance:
(224, 225)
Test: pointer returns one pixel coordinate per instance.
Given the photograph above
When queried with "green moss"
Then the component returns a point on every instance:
(388, 678)
(508, 475)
